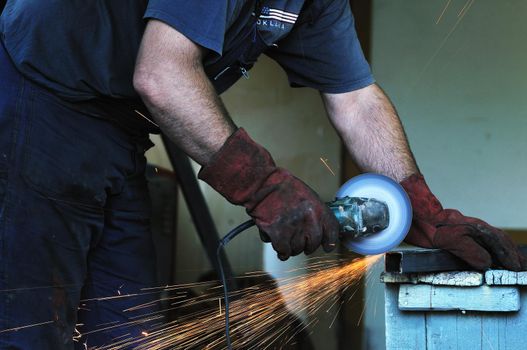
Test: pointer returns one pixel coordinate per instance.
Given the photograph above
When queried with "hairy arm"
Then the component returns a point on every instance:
(170, 78)
(372, 132)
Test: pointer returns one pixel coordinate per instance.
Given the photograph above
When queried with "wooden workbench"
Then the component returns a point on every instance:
(456, 310)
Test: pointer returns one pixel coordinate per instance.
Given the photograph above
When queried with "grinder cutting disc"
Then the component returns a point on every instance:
(399, 208)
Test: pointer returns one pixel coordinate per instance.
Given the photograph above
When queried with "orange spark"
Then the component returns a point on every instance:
(145, 117)
(443, 12)
(325, 162)
(14, 329)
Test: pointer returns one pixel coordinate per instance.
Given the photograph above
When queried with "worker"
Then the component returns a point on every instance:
(75, 77)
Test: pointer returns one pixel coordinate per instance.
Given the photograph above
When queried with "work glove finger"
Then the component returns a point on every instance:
(457, 240)
(264, 237)
(500, 245)
(330, 232)
(298, 243)
(283, 251)
(280, 233)
(312, 231)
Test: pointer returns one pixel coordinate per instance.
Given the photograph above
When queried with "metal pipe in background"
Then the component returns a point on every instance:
(197, 206)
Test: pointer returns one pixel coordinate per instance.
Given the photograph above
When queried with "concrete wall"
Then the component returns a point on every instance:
(461, 90)
(460, 87)
(292, 125)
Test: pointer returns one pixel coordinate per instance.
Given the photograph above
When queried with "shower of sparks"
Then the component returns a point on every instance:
(262, 316)
(461, 15)
(368, 301)
(325, 162)
(259, 316)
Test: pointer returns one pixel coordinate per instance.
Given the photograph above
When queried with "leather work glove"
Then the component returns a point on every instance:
(471, 239)
(284, 208)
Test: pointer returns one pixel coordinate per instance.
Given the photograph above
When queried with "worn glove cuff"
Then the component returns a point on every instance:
(239, 168)
(425, 205)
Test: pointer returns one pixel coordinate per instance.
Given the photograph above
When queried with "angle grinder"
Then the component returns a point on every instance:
(374, 214)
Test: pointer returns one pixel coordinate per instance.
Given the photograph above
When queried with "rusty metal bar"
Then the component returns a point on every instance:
(410, 260)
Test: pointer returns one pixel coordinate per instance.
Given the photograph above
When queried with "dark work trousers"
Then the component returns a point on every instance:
(75, 240)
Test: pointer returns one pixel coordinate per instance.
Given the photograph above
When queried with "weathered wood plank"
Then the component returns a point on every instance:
(468, 330)
(404, 330)
(459, 278)
(516, 327)
(493, 331)
(505, 278)
(453, 330)
(441, 331)
(456, 278)
(496, 331)
(441, 298)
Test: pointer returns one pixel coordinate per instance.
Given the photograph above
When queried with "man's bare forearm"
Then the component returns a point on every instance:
(372, 132)
(169, 77)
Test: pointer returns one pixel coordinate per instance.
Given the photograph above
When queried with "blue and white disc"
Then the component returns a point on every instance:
(387, 190)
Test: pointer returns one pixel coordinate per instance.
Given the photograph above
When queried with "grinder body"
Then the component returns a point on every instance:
(360, 217)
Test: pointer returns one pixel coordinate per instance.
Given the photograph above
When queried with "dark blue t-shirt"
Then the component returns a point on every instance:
(85, 49)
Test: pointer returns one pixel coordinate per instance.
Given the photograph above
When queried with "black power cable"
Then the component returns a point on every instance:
(223, 242)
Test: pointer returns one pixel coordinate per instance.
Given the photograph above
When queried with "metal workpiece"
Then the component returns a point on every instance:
(413, 259)
(360, 217)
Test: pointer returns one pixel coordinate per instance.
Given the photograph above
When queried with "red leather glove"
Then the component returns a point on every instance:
(471, 239)
(283, 207)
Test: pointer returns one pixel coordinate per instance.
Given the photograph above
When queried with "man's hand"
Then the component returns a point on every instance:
(471, 239)
(284, 208)
(372, 132)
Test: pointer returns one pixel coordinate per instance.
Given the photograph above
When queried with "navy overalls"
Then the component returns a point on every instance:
(74, 205)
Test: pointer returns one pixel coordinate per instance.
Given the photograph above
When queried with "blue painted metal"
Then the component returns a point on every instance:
(400, 210)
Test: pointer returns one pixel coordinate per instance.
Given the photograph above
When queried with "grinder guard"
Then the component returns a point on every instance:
(374, 213)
